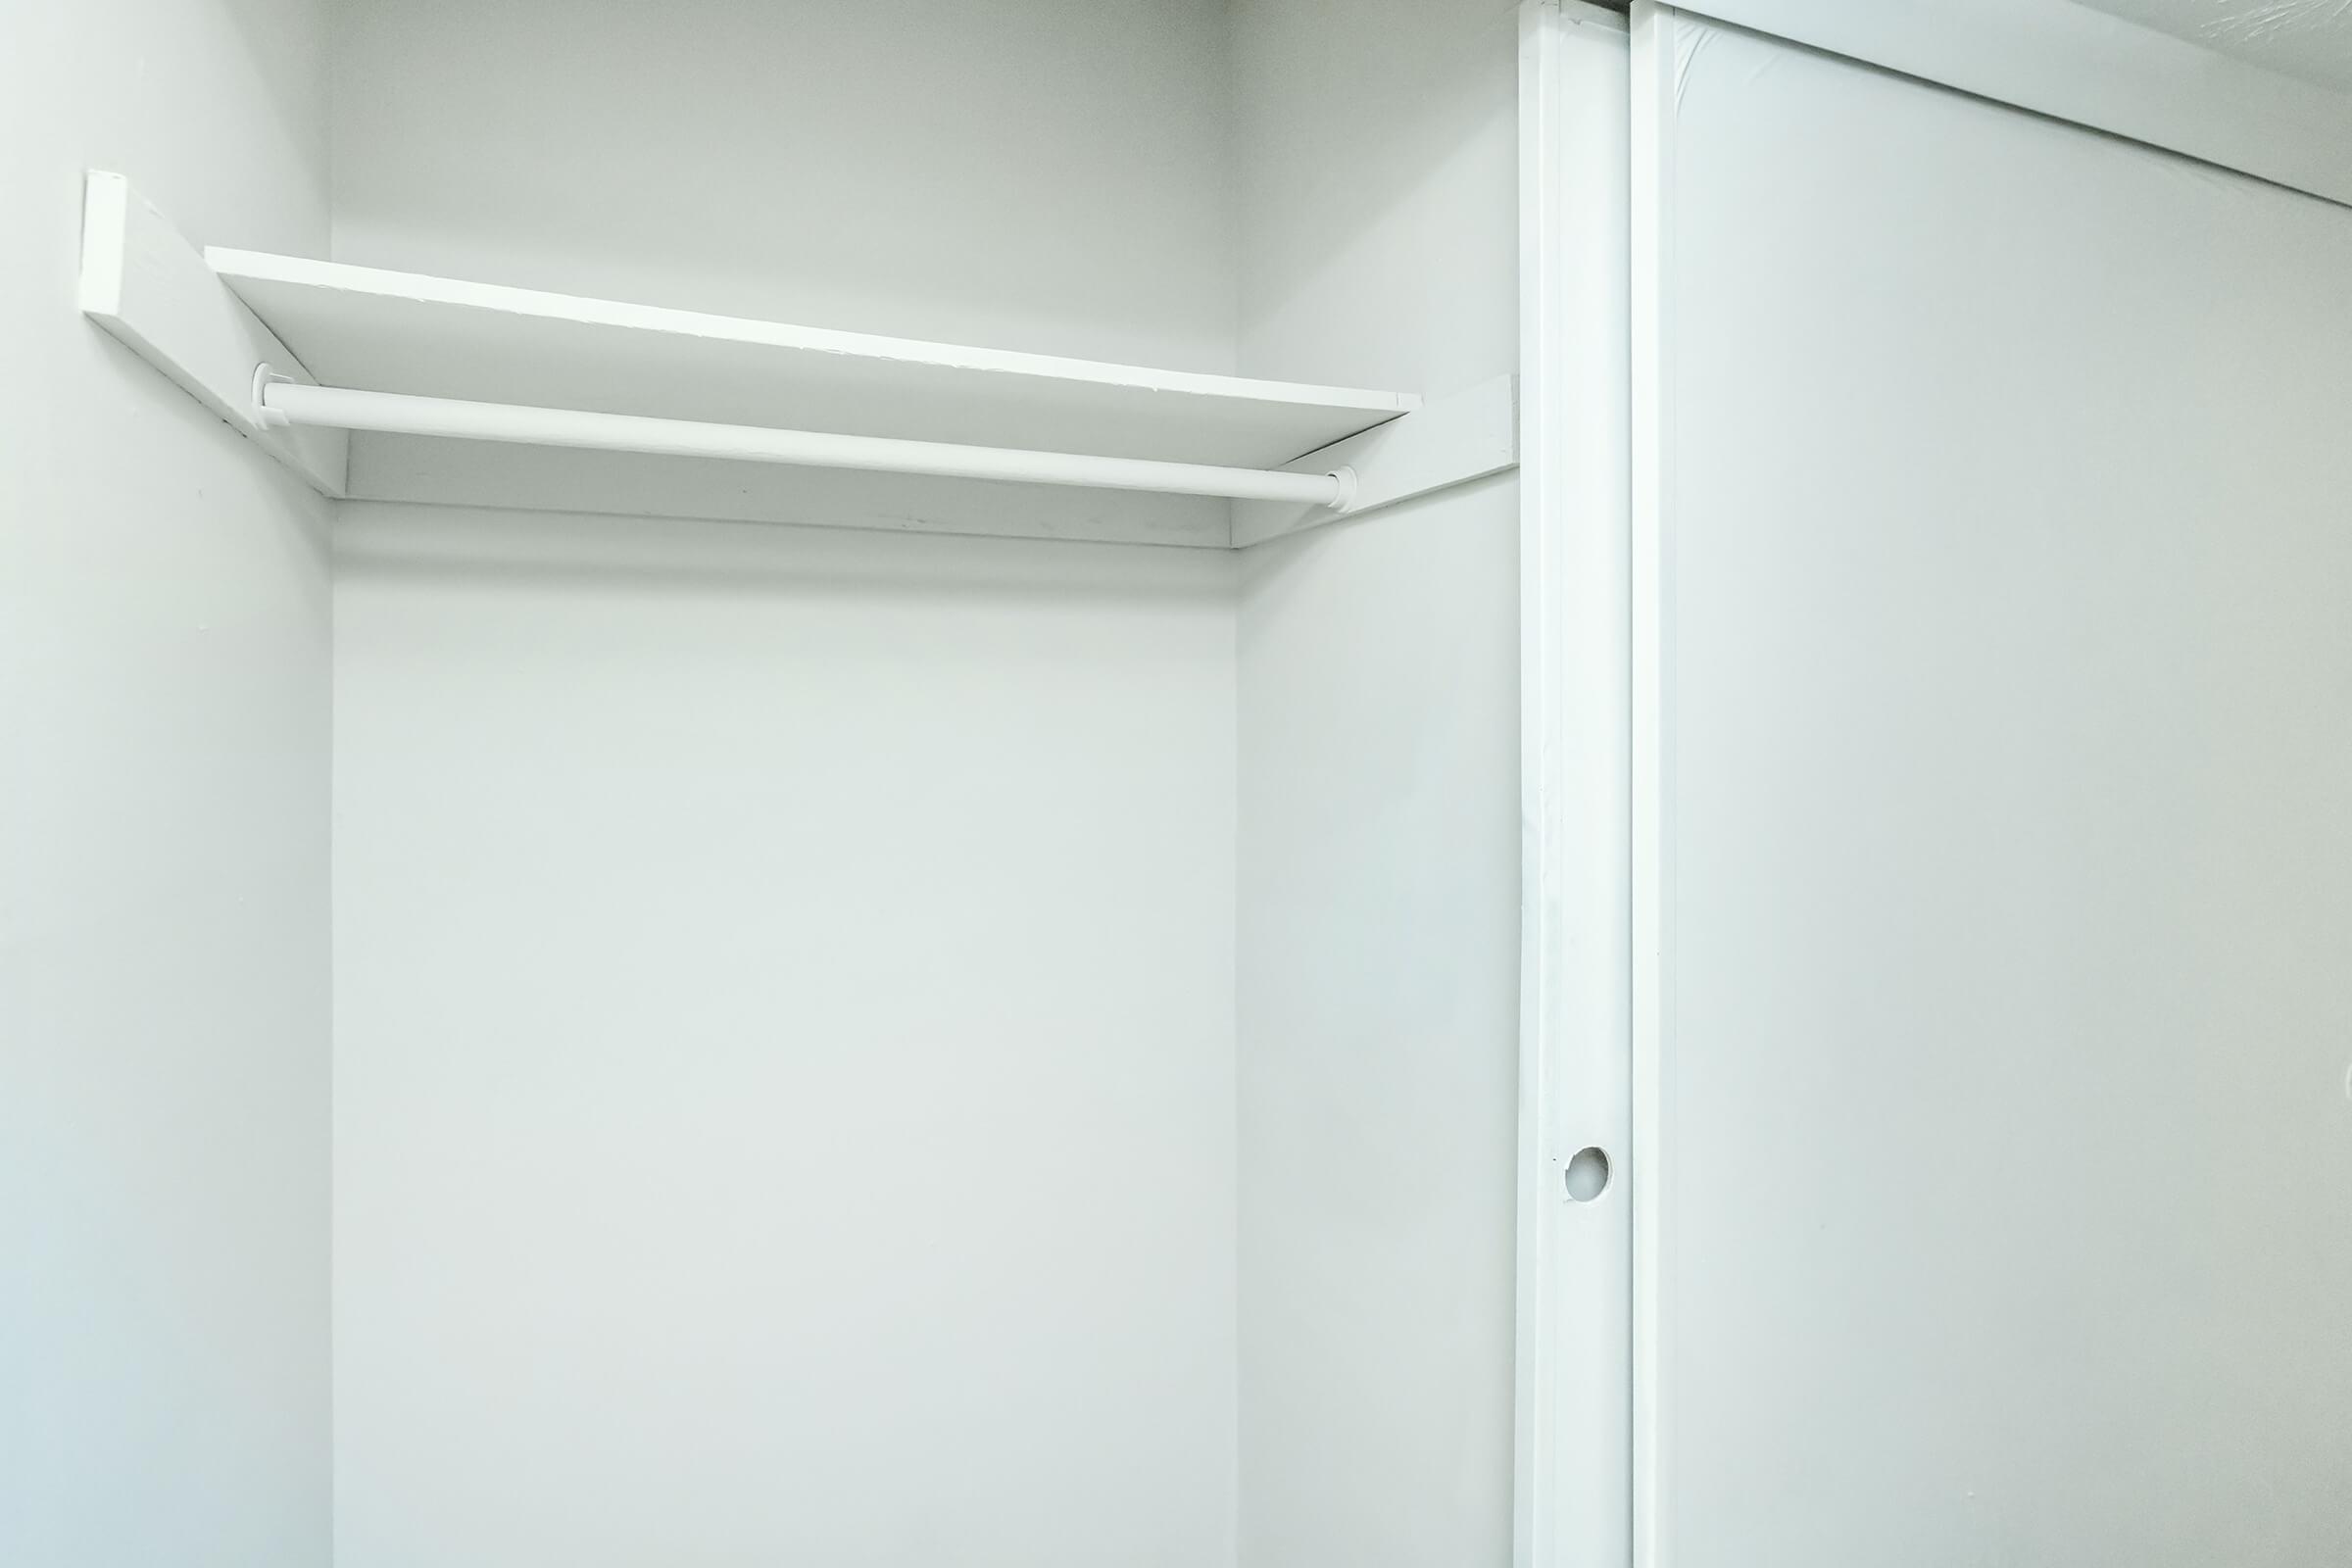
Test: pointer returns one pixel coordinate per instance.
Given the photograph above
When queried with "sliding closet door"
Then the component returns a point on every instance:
(1993, 842)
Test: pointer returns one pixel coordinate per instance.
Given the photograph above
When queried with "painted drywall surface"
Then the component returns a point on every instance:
(1377, 987)
(2008, 1172)
(1042, 175)
(878, 1202)
(162, 835)
(785, 1091)
(1377, 981)
(1376, 190)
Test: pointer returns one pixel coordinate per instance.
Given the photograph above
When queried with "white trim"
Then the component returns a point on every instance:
(1655, 31)
(1574, 1455)
(2071, 63)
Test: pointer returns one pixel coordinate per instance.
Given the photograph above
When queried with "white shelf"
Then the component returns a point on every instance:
(729, 418)
(389, 331)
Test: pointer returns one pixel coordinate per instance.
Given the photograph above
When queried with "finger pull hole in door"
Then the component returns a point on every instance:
(1588, 1174)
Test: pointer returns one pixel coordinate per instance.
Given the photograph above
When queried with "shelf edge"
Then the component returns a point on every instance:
(237, 267)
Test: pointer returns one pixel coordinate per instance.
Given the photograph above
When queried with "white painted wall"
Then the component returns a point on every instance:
(1042, 175)
(785, 979)
(1379, 885)
(163, 834)
(784, 1043)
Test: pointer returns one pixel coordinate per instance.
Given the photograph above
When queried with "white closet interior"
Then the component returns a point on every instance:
(835, 1033)
(877, 1016)
(1199, 783)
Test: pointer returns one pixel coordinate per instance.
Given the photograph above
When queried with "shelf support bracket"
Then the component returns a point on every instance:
(149, 287)
(1447, 441)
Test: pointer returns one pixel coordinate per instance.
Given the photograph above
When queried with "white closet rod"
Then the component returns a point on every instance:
(291, 402)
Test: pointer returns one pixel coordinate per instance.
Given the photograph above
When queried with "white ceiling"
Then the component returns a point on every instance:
(2307, 38)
